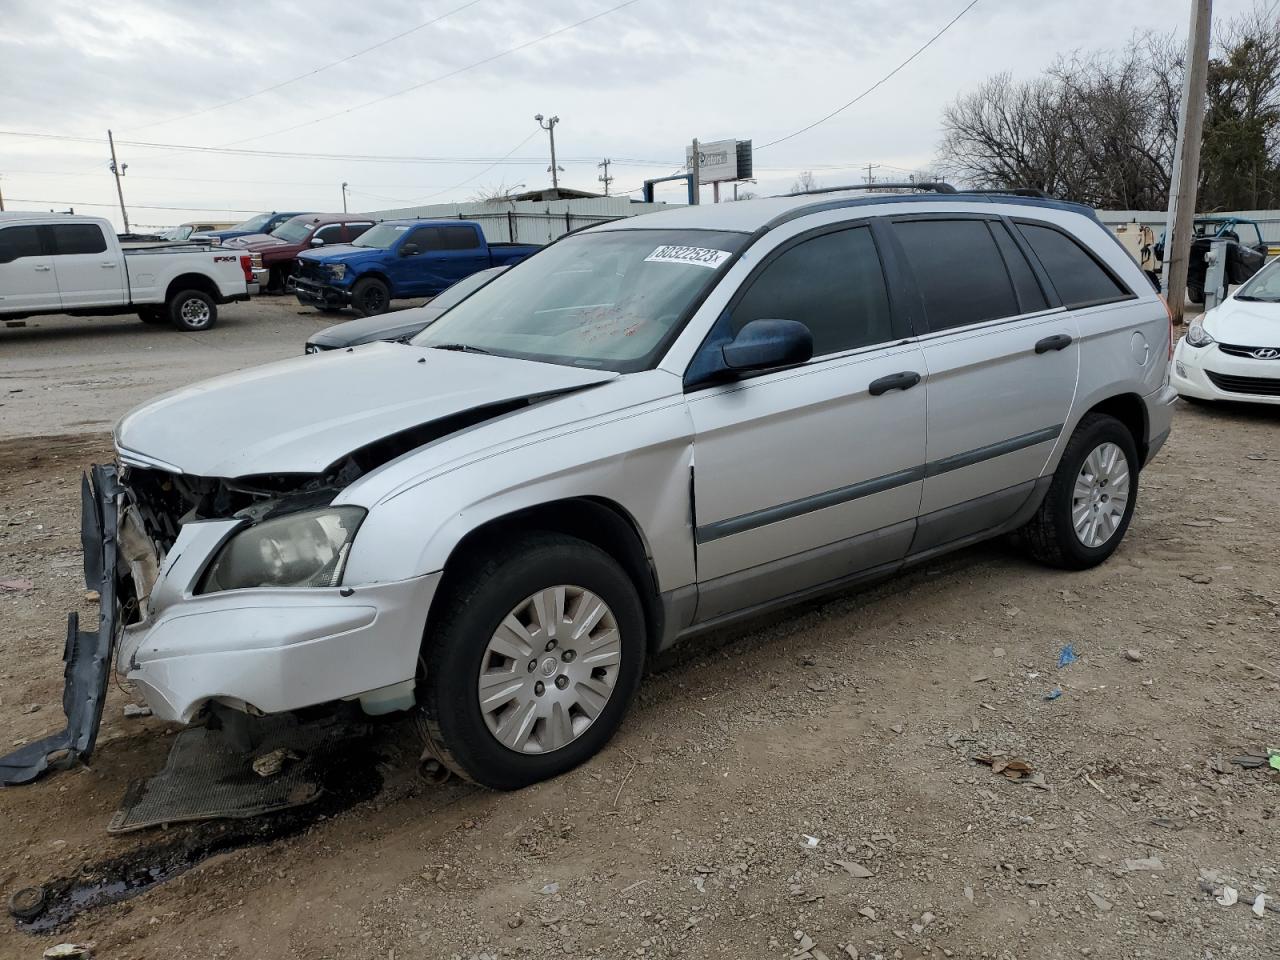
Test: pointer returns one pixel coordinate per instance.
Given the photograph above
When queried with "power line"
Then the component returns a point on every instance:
(309, 73)
(478, 175)
(138, 206)
(877, 84)
(443, 76)
(294, 155)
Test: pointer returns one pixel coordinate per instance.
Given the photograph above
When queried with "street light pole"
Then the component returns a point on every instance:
(344, 196)
(550, 127)
(118, 171)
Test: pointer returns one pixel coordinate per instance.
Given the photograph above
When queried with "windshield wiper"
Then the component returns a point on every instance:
(1254, 299)
(459, 347)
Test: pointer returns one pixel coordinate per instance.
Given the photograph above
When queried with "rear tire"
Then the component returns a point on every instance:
(370, 297)
(599, 665)
(192, 310)
(1078, 525)
(1195, 294)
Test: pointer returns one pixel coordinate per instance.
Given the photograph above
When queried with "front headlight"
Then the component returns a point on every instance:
(306, 549)
(1196, 335)
(337, 270)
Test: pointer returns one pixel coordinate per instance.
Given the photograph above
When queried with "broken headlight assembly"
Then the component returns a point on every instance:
(304, 549)
(337, 270)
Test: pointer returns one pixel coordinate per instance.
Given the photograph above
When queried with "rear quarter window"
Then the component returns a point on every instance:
(1080, 279)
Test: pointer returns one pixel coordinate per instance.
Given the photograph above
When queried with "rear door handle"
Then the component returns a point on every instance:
(1059, 341)
(894, 381)
(43, 269)
(108, 265)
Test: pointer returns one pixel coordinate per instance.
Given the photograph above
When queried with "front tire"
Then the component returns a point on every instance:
(532, 662)
(192, 311)
(371, 297)
(1090, 501)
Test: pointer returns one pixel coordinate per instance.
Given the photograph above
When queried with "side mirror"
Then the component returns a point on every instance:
(409, 250)
(765, 344)
(317, 241)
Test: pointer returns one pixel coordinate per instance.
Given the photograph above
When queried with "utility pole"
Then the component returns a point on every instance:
(344, 196)
(1186, 161)
(118, 171)
(550, 127)
(695, 168)
(604, 177)
(870, 167)
(1, 200)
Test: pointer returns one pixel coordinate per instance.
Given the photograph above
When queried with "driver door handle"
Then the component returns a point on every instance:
(1059, 341)
(894, 381)
(43, 269)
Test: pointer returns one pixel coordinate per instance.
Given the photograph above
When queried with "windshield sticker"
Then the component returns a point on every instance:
(701, 256)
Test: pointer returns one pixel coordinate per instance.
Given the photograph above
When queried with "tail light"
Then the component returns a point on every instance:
(1169, 312)
(247, 267)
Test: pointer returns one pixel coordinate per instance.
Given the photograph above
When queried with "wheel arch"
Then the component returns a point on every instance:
(597, 520)
(375, 275)
(192, 281)
(1130, 410)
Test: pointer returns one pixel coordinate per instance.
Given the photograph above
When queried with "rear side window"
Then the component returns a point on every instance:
(19, 242)
(458, 238)
(71, 238)
(329, 234)
(832, 283)
(1079, 279)
(959, 271)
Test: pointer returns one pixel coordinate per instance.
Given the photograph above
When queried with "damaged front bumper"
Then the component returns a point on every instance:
(87, 655)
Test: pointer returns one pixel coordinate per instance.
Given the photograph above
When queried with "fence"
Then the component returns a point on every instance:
(528, 221)
(1268, 221)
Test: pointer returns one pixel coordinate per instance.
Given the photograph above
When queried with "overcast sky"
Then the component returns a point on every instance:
(635, 84)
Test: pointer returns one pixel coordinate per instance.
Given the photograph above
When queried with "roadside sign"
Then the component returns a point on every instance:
(719, 160)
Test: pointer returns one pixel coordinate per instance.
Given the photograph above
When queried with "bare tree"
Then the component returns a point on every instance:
(1101, 128)
(805, 182)
(497, 194)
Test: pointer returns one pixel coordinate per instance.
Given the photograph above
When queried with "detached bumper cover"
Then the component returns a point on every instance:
(313, 294)
(87, 654)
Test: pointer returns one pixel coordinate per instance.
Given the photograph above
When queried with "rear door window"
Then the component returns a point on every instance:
(959, 271)
(330, 234)
(355, 229)
(72, 238)
(1079, 278)
(458, 238)
(19, 242)
(1030, 297)
(832, 283)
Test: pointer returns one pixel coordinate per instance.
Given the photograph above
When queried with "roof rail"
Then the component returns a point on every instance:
(1014, 192)
(928, 186)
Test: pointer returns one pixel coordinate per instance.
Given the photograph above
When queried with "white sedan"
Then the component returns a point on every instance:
(1233, 351)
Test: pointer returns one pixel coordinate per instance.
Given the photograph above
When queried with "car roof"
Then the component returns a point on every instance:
(748, 216)
(324, 218)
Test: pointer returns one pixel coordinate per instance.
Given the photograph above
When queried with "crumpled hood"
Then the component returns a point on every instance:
(304, 414)
(1245, 323)
(381, 326)
(253, 241)
(341, 253)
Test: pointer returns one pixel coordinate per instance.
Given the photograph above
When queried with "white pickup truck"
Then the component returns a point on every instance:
(54, 263)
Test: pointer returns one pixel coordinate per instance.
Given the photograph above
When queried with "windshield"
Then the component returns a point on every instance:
(381, 236)
(293, 231)
(254, 224)
(1263, 285)
(465, 288)
(609, 300)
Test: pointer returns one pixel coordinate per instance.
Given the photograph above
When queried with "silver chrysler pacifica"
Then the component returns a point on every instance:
(650, 428)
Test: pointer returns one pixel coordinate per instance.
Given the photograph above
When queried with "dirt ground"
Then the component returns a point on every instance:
(762, 773)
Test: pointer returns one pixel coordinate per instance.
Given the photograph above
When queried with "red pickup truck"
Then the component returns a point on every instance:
(274, 255)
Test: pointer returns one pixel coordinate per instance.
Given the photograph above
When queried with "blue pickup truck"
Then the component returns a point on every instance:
(397, 259)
